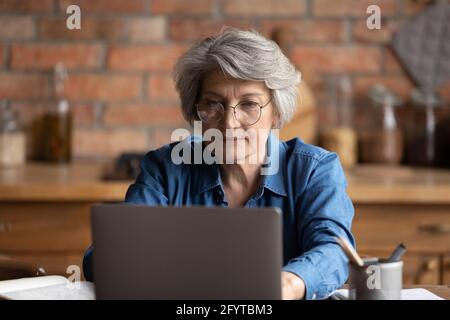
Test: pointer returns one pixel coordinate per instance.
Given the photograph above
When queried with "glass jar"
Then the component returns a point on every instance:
(382, 140)
(56, 126)
(336, 132)
(425, 112)
(12, 138)
(57, 137)
(442, 142)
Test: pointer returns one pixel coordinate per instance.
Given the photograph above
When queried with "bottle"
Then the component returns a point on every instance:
(382, 140)
(57, 123)
(12, 138)
(425, 108)
(337, 133)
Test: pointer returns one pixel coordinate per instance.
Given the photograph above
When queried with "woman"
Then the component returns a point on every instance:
(239, 85)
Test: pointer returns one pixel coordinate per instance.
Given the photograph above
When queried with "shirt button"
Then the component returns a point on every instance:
(314, 296)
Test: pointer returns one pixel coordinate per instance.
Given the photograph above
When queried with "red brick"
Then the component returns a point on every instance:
(338, 58)
(2, 48)
(46, 56)
(399, 84)
(106, 6)
(148, 58)
(391, 62)
(54, 28)
(384, 35)
(182, 7)
(24, 86)
(196, 29)
(305, 30)
(142, 115)
(264, 7)
(83, 114)
(103, 86)
(147, 29)
(162, 88)
(414, 7)
(343, 8)
(26, 5)
(16, 28)
(107, 143)
(160, 137)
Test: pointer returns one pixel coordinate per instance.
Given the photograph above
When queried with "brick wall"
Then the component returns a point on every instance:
(120, 62)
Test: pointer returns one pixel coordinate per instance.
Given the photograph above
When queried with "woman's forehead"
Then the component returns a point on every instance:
(217, 82)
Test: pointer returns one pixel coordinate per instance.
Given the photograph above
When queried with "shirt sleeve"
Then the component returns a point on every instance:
(147, 189)
(325, 212)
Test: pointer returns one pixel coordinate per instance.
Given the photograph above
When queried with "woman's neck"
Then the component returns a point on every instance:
(243, 176)
(240, 182)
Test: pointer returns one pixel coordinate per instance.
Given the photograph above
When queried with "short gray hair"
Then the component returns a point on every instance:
(242, 55)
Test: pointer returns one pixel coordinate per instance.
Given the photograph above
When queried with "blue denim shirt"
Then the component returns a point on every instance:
(309, 187)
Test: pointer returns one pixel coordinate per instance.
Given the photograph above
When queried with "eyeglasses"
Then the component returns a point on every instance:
(245, 112)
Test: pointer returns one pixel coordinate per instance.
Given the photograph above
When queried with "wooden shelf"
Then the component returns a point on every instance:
(81, 181)
(384, 184)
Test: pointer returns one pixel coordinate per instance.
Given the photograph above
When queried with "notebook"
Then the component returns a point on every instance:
(46, 288)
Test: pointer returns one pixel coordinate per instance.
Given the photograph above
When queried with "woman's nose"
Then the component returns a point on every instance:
(229, 119)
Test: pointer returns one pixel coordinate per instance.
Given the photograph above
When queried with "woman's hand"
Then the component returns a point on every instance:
(292, 286)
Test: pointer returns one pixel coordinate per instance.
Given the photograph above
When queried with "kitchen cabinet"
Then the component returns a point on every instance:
(45, 212)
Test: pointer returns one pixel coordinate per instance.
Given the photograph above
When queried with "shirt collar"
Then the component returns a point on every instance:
(273, 177)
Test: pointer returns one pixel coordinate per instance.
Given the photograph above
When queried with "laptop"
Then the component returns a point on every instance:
(208, 253)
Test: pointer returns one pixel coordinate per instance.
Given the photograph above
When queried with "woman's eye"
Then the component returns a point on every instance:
(249, 104)
(213, 104)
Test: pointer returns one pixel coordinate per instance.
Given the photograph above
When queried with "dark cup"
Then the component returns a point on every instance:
(376, 280)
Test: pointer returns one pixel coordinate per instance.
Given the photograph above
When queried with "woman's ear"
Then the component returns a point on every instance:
(276, 121)
(275, 117)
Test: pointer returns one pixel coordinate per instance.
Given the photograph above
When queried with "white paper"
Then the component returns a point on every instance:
(407, 294)
(30, 283)
(46, 288)
(85, 291)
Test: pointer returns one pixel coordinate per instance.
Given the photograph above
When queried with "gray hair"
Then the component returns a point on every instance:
(242, 55)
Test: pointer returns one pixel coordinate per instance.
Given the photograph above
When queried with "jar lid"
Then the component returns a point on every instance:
(8, 118)
(425, 98)
(63, 106)
(383, 96)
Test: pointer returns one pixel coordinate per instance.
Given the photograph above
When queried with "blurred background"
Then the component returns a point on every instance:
(119, 64)
(79, 108)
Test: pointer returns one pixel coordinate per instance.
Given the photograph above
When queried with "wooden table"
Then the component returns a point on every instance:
(404, 204)
(442, 291)
(77, 182)
(44, 214)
